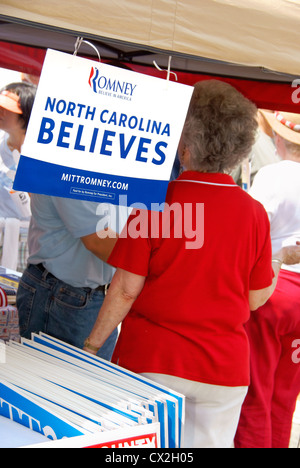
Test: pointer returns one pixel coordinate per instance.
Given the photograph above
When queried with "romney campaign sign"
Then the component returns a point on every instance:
(101, 133)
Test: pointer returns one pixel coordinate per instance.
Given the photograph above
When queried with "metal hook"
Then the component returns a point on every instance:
(169, 72)
(78, 43)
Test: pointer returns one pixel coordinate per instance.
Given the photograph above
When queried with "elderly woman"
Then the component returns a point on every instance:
(183, 301)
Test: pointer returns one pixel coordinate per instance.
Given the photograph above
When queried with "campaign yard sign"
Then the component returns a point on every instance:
(144, 436)
(101, 133)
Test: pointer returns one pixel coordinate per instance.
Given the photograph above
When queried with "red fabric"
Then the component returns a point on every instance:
(188, 320)
(22, 58)
(274, 335)
(265, 94)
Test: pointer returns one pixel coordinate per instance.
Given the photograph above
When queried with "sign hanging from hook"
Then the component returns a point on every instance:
(102, 133)
(78, 43)
(169, 72)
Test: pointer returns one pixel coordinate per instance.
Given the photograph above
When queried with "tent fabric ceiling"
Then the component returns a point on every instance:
(259, 33)
(132, 37)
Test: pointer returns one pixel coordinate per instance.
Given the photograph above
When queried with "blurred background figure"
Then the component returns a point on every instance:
(16, 101)
(274, 329)
(262, 154)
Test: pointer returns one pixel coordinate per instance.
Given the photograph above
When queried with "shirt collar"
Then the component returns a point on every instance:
(213, 178)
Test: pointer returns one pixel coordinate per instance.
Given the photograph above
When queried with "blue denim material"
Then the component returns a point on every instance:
(48, 304)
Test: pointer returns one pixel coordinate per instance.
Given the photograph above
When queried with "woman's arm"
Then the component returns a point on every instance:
(123, 291)
(290, 256)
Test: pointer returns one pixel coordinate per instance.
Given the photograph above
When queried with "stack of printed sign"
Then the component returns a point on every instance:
(76, 399)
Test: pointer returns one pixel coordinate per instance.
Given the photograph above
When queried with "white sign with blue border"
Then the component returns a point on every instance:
(101, 133)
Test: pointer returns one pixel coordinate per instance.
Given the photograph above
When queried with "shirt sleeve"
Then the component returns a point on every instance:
(265, 190)
(262, 272)
(133, 248)
(82, 218)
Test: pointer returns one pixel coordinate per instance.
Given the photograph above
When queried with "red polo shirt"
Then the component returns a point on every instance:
(188, 320)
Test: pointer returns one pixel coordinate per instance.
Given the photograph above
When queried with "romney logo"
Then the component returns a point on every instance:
(101, 84)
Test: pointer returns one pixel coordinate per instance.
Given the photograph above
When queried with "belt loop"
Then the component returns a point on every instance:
(44, 274)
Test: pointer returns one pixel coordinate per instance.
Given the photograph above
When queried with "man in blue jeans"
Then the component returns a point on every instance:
(64, 284)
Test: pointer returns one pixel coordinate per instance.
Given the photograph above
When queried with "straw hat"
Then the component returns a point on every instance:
(10, 101)
(285, 124)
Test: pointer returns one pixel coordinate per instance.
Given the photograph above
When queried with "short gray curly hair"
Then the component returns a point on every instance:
(220, 128)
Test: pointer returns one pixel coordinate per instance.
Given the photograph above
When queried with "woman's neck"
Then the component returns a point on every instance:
(291, 157)
(15, 141)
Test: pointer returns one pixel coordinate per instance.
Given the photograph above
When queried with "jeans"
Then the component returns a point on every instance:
(67, 313)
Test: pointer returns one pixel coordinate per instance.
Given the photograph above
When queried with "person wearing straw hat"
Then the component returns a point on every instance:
(274, 329)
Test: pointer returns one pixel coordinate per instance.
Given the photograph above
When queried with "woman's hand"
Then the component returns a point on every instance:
(289, 255)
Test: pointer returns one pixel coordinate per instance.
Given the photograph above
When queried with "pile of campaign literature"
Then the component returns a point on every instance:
(9, 317)
(9, 323)
(66, 394)
(9, 282)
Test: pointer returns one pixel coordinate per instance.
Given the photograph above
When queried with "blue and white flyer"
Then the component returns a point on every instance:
(101, 133)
